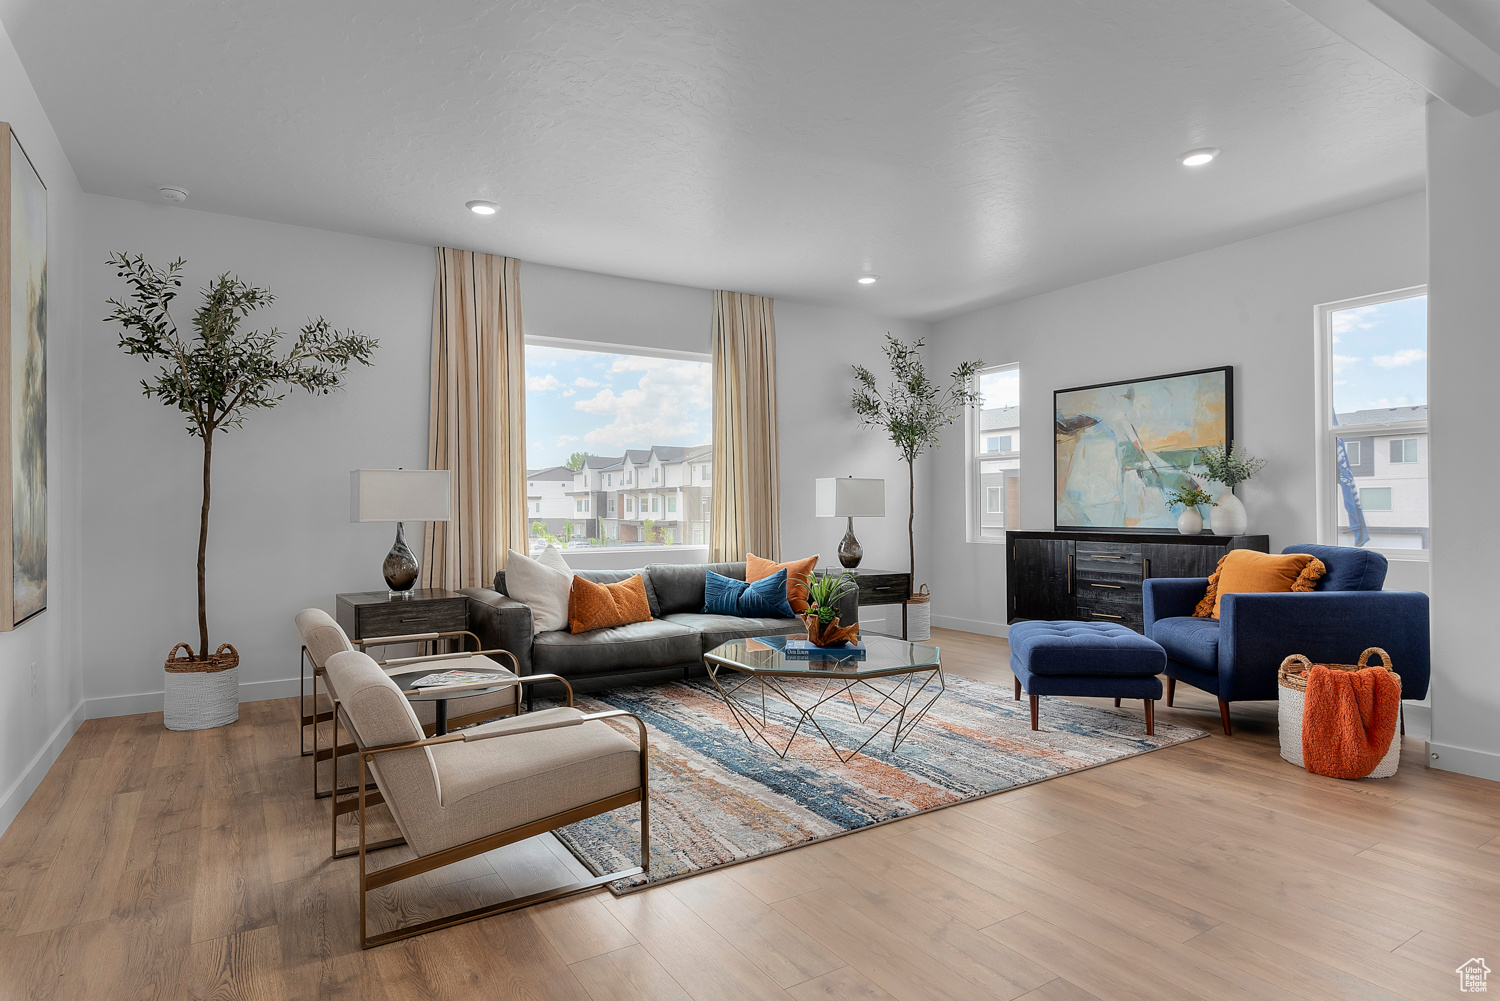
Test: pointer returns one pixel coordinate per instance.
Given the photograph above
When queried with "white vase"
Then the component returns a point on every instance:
(1190, 522)
(1229, 516)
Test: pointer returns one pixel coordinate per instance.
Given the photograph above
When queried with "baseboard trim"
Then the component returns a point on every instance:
(979, 626)
(36, 769)
(1464, 760)
(150, 702)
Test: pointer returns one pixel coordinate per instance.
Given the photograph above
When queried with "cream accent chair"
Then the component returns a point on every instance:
(467, 793)
(322, 637)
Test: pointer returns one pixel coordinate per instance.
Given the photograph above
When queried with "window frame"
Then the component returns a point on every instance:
(630, 510)
(974, 508)
(1327, 433)
(1358, 458)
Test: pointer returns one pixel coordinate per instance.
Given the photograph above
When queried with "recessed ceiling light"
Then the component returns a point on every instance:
(868, 279)
(481, 207)
(1198, 157)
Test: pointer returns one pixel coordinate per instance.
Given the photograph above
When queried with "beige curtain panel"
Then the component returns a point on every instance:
(477, 426)
(746, 512)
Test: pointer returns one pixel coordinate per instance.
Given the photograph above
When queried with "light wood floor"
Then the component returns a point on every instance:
(165, 865)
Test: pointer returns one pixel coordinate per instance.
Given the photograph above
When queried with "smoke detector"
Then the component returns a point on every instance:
(172, 193)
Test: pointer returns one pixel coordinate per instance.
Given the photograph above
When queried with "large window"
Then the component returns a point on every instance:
(994, 437)
(1372, 443)
(594, 416)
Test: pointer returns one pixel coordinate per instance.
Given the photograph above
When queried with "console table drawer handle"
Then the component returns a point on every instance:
(1106, 557)
(1105, 615)
(1112, 587)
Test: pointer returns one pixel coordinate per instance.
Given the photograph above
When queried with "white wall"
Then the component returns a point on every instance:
(34, 725)
(819, 436)
(1249, 304)
(1464, 355)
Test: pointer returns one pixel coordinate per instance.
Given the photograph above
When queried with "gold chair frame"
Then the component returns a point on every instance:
(320, 754)
(366, 796)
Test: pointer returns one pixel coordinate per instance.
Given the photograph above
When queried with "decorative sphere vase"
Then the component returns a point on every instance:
(1190, 522)
(1229, 516)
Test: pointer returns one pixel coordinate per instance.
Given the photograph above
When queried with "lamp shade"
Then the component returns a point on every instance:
(848, 497)
(400, 495)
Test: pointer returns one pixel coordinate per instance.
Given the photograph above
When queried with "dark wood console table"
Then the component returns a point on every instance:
(879, 587)
(1096, 576)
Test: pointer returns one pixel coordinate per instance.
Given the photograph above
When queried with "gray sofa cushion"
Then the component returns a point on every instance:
(716, 629)
(657, 643)
(680, 586)
(604, 577)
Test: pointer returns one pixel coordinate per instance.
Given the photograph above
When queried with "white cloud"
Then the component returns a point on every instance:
(542, 383)
(1406, 356)
(664, 406)
(1341, 362)
(570, 392)
(566, 439)
(1358, 318)
(585, 383)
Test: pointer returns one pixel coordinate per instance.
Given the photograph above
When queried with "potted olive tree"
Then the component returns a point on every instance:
(912, 411)
(217, 376)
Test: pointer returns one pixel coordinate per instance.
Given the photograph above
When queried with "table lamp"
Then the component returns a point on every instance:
(400, 495)
(849, 497)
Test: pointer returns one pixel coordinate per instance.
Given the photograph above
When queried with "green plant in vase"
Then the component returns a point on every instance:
(1230, 465)
(1190, 521)
(824, 591)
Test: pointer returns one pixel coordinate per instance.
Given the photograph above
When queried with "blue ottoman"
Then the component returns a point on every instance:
(1096, 659)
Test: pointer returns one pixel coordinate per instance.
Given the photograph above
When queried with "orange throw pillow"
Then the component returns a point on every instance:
(599, 606)
(1243, 571)
(797, 572)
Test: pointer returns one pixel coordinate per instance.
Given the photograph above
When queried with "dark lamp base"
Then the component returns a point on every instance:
(850, 551)
(400, 565)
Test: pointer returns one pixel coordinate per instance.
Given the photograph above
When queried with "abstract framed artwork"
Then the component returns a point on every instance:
(1122, 447)
(23, 374)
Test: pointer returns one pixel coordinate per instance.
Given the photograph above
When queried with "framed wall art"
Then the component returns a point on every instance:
(1122, 447)
(23, 374)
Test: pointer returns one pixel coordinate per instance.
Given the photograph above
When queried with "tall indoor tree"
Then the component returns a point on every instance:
(912, 411)
(222, 373)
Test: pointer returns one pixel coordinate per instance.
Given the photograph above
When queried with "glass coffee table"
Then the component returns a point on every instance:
(891, 688)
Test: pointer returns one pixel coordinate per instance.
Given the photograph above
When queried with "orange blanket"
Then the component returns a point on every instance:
(1348, 720)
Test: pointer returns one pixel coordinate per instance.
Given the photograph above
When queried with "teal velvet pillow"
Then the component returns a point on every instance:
(764, 599)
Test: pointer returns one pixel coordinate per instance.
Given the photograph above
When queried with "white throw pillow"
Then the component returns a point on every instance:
(544, 583)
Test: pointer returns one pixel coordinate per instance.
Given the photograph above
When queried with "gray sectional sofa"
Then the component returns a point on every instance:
(669, 647)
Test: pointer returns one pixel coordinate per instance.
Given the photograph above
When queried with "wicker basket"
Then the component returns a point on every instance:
(1291, 688)
(919, 615)
(200, 694)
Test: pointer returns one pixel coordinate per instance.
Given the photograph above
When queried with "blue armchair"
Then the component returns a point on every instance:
(1236, 656)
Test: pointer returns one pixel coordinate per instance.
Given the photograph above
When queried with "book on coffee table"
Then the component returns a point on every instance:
(807, 650)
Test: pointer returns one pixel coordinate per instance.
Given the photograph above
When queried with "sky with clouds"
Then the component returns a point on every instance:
(1380, 355)
(601, 403)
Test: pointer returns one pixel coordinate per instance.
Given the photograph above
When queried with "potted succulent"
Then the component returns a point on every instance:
(1231, 467)
(912, 411)
(1190, 521)
(217, 376)
(822, 616)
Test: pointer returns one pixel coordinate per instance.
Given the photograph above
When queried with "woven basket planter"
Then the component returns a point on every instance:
(200, 694)
(1291, 690)
(919, 615)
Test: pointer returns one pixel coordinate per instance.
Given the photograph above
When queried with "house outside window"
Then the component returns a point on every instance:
(1373, 487)
(994, 473)
(1403, 450)
(598, 401)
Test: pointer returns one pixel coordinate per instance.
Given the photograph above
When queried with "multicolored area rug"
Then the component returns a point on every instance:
(718, 799)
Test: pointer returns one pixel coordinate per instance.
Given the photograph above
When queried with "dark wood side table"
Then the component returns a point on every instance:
(367, 614)
(879, 587)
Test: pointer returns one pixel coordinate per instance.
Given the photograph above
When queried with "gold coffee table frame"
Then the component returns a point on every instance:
(896, 674)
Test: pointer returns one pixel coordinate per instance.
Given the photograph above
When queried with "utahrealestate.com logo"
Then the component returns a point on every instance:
(1473, 977)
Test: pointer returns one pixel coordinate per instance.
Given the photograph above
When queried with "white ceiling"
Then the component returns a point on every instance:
(967, 151)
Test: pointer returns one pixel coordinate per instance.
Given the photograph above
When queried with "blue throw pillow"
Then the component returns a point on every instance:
(765, 599)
